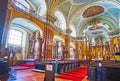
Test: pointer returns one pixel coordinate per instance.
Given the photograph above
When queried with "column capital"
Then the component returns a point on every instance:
(51, 18)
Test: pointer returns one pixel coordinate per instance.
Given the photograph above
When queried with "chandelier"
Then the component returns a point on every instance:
(94, 27)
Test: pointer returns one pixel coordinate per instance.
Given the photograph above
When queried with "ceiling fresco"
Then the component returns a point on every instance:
(80, 12)
(92, 11)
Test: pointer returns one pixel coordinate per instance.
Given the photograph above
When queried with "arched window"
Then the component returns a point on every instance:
(15, 37)
(73, 33)
(19, 5)
(22, 4)
(42, 8)
(61, 23)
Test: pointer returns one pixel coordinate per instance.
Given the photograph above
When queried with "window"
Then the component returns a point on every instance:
(19, 5)
(15, 37)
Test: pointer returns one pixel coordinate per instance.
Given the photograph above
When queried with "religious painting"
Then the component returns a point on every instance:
(92, 11)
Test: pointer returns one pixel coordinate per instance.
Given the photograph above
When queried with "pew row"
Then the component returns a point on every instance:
(59, 66)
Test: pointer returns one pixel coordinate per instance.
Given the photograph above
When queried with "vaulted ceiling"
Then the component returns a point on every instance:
(85, 15)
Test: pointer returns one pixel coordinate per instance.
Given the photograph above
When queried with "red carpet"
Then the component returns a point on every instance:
(27, 65)
(19, 67)
(75, 75)
(22, 66)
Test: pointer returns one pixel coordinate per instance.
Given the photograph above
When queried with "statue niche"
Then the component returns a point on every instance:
(35, 46)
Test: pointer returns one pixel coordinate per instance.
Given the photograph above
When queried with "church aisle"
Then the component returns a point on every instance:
(77, 74)
(29, 75)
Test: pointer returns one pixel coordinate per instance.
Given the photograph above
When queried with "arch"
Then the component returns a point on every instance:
(31, 5)
(58, 38)
(58, 46)
(61, 22)
(29, 26)
(28, 29)
(39, 23)
(23, 3)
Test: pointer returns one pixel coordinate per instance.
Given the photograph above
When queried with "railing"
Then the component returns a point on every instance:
(59, 29)
(22, 8)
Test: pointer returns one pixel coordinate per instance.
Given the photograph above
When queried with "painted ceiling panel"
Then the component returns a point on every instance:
(102, 31)
(109, 23)
(92, 11)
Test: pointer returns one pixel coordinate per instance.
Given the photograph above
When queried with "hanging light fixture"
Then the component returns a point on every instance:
(94, 27)
(94, 22)
(97, 32)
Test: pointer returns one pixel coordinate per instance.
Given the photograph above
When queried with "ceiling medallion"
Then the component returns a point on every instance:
(92, 11)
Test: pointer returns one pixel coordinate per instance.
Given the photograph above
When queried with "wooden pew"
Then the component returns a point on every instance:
(62, 65)
(108, 72)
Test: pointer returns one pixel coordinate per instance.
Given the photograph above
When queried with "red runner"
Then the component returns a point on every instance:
(75, 75)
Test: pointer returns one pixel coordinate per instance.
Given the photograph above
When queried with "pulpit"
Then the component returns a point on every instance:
(109, 71)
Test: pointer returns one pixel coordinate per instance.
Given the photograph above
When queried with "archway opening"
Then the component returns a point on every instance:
(58, 47)
(23, 39)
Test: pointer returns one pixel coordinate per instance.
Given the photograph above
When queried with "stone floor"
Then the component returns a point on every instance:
(29, 75)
